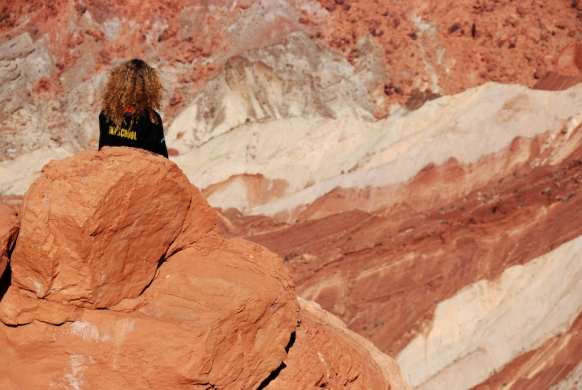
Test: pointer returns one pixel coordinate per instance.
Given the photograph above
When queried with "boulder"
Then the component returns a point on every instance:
(214, 313)
(326, 354)
(219, 314)
(95, 226)
(8, 233)
(200, 219)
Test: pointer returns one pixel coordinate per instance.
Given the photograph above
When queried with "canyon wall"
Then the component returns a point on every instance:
(415, 164)
(466, 266)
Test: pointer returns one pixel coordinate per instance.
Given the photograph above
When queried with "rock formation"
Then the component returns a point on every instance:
(397, 260)
(180, 306)
(355, 54)
(392, 153)
(476, 251)
(99, 197)
(324, 345)
(483, 270)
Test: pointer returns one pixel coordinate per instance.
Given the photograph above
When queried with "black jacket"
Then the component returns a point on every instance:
(143, 135)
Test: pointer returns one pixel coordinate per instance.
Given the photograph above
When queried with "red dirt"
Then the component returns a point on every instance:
(475, 41)
(467, 44)
(91, 51)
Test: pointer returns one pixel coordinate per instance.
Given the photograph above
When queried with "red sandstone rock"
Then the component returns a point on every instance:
(218, 315)
(200, 219)
(553, 81)
(95, 226)
(8, 233)
(462, 46)
(569, 63)
(325, 354)
(20, 307)
(567, 70)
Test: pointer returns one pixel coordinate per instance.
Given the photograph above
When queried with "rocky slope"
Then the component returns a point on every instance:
(468, 264)
(302, 57)
(180, 306)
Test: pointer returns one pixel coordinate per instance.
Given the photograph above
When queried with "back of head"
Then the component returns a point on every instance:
(134, 86)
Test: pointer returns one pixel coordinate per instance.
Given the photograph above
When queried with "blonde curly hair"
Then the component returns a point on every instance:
(133, 85)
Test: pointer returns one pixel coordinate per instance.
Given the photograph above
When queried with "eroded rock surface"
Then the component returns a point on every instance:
(411, 265)
(272, 107)
(216, 314)
(199, 220)
(325, 354)
(300, 165)
(85, 236)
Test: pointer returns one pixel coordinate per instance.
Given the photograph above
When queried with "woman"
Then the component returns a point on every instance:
(132, 94)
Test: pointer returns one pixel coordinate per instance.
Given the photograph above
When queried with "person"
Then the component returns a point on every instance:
(132, 95)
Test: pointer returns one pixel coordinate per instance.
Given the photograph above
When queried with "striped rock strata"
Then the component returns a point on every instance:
(408, 225)
(298, 161)
(416, 229)
(465, 266)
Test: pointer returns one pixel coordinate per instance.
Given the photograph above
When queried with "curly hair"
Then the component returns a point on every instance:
(135, 86)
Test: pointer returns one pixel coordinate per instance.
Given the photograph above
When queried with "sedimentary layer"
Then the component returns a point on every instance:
(453, 252)
(363, 143)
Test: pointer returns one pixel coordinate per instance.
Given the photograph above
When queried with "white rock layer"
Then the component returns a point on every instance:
(489, 323)
(18, 174)
(317, 155)
(296, 78)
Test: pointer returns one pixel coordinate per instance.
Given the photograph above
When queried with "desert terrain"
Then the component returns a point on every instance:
(398, 180)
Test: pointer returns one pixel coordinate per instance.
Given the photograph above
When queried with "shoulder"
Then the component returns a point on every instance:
(158, 117)
(158, 123)
(103, 122)
(102, 117)
(145, 119)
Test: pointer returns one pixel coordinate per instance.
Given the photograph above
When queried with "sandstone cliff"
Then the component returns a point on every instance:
(120, 279)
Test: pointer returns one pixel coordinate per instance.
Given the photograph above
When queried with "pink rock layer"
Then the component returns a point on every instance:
(384, 272)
